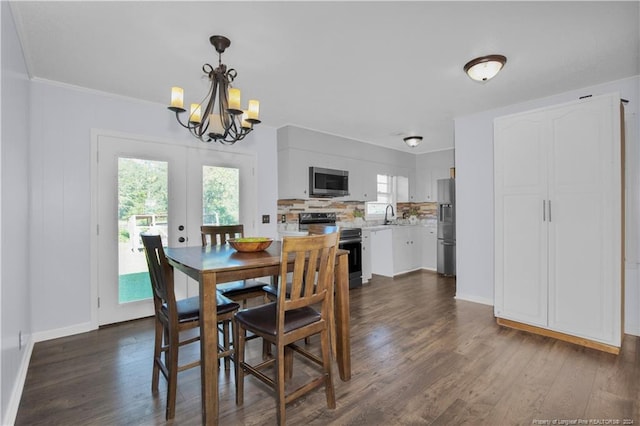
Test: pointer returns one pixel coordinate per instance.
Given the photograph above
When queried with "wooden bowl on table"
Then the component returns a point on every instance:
(250, 244)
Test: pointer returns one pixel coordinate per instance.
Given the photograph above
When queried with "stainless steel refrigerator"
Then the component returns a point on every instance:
(446, 253)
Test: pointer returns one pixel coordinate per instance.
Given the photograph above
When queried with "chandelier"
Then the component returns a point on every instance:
(222, 120)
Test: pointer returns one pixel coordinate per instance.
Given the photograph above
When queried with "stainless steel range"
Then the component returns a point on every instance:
(350, 239)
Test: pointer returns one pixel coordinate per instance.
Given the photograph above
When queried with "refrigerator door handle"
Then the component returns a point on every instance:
(544, 210)
(549, 210)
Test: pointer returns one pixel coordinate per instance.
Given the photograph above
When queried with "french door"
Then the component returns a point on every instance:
(164, 189)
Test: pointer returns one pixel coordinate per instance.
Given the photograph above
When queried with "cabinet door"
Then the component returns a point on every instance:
(362, 181)
(400, 250)
(415, 242)
(366, 255)
(382, 253)
(429, 245)
(585, 223)
(406, 249)
(293, 174)
(520, 180)
(440, 172)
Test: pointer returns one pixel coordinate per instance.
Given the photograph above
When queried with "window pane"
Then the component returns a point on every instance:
(385, 191)
(142, 207)
(220, 195)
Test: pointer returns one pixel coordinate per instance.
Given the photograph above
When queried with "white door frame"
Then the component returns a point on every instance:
(249, 209)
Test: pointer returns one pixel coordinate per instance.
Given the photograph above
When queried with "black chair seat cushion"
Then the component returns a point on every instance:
(237, 288)
(189, 309)
(262, 318)
(272, 290)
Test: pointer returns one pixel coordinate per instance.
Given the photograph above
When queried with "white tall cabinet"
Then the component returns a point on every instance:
(558, 221)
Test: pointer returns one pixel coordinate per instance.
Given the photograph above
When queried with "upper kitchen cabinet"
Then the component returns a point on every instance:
(429, 168)
(402, 189)
(293, 174)
(362, 181)
(559, 221)
(298, 149)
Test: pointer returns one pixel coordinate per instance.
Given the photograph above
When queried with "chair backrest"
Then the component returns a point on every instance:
(214, 235)
(314, 259)
(160, 272)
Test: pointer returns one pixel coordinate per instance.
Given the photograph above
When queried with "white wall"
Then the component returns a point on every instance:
(15, 309)
(474, 196)
(62, 120)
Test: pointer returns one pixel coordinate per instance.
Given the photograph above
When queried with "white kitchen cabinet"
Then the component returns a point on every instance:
(366, 255)
(558, 221)
(427, 182)
(382, 252)
(362, 181)
(407, 249)
(429, 247)
(429, 168)
(402, 189)
(440, 172)
(293, 173)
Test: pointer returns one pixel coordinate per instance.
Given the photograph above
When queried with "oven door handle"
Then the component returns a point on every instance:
(350, 241)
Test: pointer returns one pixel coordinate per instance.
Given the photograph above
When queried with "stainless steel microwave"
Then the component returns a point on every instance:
(328, 182)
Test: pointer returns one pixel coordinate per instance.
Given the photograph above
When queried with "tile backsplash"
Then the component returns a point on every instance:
(348, 211)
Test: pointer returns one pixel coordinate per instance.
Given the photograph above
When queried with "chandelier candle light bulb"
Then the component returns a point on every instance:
(195, 116)
(254, 111)
(245, 124)
(177, 97)
(220, 117)
(234, 100)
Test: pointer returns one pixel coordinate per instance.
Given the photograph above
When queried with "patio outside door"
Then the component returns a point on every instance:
(163, 189)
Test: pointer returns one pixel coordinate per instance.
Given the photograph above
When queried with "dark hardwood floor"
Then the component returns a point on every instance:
(419, 357)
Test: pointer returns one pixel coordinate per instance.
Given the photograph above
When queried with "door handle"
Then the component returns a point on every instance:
(549, 210)
(544, 210)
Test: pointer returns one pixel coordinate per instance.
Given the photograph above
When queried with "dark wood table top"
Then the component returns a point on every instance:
(223, 257)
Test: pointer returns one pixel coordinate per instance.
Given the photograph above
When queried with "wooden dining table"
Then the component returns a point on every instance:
(213, 265)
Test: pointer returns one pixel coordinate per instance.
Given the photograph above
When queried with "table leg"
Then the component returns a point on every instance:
(343, 339)
(209, 349)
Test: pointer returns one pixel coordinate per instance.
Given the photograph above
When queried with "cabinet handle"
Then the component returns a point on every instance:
(549, 210)
(544, 210)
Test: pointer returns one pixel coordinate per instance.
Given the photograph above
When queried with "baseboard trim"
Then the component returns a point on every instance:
(42, 336)
(632, 329)
(475, 299)
(18, 386)
(560, 336)
(16, 393)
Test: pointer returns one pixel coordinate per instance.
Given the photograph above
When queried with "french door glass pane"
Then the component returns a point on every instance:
(220, 195)
(142, 207)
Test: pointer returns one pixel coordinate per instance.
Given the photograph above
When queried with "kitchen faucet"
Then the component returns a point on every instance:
(386, 210)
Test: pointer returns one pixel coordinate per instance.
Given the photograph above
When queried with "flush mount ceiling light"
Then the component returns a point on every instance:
(485, 67)
(413, 141)
(222, 119)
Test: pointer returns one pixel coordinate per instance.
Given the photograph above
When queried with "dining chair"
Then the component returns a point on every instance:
(271, 290)
(236, 290)
(175, 316)
(301, 313)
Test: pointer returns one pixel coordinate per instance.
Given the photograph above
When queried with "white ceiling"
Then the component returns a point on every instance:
(370, 71)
